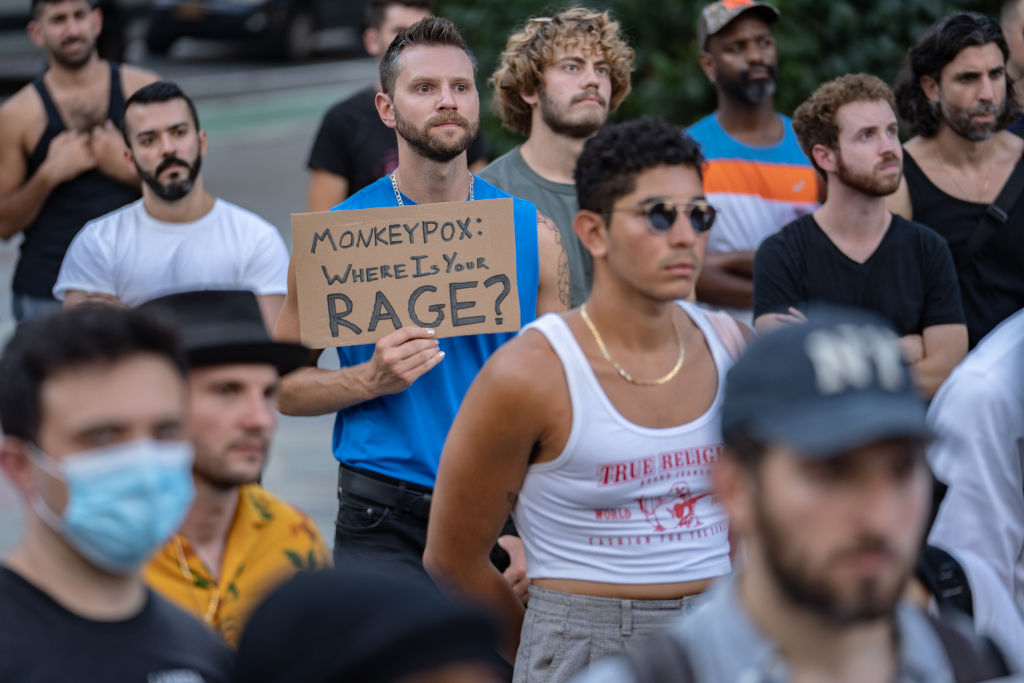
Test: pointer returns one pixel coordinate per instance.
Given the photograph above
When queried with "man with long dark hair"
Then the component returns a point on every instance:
(959, 169)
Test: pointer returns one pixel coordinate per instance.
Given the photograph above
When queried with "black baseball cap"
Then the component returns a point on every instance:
(834, 383)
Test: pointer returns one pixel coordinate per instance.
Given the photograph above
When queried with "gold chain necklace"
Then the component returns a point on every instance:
(967, 195)
(621, 370)
(211, 608)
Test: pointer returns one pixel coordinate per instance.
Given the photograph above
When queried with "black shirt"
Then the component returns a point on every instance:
(909, 279)
(70, 205)
(354, 143)
(42, 642)
(992, 284)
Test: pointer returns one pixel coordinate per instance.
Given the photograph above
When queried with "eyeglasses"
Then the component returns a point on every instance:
(662, 213)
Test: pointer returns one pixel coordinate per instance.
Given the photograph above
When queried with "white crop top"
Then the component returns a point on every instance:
(624, 503)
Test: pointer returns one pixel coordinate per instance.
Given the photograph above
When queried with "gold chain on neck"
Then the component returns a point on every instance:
(621, 370)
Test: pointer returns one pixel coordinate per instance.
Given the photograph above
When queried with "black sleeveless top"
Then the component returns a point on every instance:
(992, 284)
(70, 206)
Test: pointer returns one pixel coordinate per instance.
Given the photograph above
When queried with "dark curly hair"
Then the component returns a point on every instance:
(611, 160)
(940, 45)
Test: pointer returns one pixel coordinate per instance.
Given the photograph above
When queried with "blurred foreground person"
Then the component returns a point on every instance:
(93, 409)
(365, 626)
(825, 480)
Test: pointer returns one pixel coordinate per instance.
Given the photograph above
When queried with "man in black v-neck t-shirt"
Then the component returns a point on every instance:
(852, 251)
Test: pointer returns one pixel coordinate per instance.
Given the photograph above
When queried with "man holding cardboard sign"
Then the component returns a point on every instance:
(396, 399)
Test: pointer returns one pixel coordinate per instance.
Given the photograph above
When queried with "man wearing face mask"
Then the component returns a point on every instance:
(178, 237)
(756, 173)
(93, 405)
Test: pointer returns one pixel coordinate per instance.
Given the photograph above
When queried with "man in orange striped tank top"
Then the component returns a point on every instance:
(756, 173)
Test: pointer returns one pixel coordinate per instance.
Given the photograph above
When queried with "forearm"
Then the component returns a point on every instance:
(481, 582)
(124, 174)
(720, 287)
(943, 347)
(20, 208)
(316, 391)
(931, 371)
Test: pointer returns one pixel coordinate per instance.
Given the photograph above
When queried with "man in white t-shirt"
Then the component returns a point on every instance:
(178, 237)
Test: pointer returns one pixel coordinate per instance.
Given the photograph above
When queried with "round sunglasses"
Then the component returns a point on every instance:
(662, 213)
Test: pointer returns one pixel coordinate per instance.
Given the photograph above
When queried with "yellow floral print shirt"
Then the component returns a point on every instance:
(269, 541)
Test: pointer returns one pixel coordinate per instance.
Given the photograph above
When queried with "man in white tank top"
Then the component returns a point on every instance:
(598, 428)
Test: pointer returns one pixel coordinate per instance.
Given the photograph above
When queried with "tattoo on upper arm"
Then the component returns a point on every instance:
(563, 259)
(512, 498)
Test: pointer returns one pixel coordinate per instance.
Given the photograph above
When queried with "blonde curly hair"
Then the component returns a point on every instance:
(529, 51)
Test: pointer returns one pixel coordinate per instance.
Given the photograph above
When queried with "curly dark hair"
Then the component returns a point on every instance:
(940, 45)
(428, 31)
(611, 160)
(814, 121)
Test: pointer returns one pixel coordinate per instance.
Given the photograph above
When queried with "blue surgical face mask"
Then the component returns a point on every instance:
(124, 500)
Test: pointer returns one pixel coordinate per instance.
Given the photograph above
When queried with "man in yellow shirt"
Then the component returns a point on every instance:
(238, 541)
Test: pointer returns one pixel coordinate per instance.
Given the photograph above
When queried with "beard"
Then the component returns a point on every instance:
(751, 90)
(223, 477)
(808, 587)
(557, 119)
(174, 190)
(440, 148)
(869, 184)
(976, 131)
(71, 62)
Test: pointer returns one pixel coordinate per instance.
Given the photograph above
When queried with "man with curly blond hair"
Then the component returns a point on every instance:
(852, 251)
(558, 80)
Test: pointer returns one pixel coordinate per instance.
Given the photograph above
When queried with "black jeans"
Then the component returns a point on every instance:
(367, 532)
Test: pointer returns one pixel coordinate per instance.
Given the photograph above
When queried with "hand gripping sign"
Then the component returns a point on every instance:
(364, 273)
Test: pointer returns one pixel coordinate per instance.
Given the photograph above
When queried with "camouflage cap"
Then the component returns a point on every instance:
(718, 15)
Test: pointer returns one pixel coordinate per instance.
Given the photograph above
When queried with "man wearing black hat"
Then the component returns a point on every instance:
(825, 482)
(756, 172)
(238, 540)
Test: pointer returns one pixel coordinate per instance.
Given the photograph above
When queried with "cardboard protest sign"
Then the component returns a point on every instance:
(364, 273)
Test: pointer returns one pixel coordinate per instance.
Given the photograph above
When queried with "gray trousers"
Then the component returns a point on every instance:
(564, 633)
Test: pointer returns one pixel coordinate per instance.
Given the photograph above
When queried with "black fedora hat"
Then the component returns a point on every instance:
(218, 327)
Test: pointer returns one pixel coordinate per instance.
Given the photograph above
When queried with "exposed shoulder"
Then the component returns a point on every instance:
(243, 215)
(525, 367)
(133, 78)
(21, 112)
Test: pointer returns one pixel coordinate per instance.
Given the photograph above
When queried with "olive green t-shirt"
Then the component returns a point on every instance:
(557, 201)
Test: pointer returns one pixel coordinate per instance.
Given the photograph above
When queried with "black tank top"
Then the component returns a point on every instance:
(70, 206)
(992, 284)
